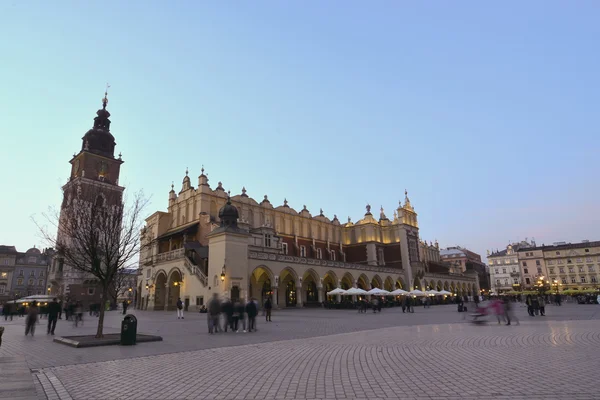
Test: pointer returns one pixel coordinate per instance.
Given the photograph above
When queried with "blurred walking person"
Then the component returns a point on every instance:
(32, 318)
(268, 308)
(214, 311)
(509, 312)
(252, 311)
(53, 311)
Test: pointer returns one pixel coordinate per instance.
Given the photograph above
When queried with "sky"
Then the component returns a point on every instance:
(487, 113)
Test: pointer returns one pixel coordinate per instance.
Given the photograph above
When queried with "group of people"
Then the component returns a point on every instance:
(536, 305)
(233, 314)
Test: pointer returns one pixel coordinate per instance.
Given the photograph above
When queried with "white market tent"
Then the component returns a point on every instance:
(378, 292)
(416, 292)
(336, 292)
(432, 292)
(355, 291)
(399, 292)
(446, 292)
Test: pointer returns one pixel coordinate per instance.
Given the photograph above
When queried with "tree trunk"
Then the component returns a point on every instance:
(99, 331)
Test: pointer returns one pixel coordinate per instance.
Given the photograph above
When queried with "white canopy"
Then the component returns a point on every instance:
(354, 291)
(445, 292)
(416, 292)
(336, 291)
(399, 292)
(378, 292)
(432, 292)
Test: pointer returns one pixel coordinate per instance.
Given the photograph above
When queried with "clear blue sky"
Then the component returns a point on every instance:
(486, 113)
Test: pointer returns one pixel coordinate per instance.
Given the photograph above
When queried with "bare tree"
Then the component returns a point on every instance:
(97, 234)
(121, 284)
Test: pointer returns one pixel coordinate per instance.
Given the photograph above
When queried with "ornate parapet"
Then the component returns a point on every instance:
(259, 255)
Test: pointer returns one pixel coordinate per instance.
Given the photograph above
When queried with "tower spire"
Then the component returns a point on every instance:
(105, 99)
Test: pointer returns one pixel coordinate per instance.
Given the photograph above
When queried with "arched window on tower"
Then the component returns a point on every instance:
(100, 200)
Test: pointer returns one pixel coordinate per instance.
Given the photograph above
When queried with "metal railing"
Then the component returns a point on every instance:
(195, 270)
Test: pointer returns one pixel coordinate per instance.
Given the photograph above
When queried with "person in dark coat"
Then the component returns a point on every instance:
(240, 311)
(125, 305)
(53, 311)
(214, 310)
(6, 311)
(32, 318)
(268, 308)
(252, 311)
(227, 310)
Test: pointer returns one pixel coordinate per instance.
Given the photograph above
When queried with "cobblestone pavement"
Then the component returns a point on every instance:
(554, 360)
(304, 351)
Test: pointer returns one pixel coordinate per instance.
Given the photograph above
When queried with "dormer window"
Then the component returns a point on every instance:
(267, 240)
(319, 254)
(284, 248)
(333, 255)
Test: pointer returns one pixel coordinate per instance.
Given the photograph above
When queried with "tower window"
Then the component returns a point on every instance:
(267, 240)
(284, 248)
(319, 254)
(302, 251)
(333, 255)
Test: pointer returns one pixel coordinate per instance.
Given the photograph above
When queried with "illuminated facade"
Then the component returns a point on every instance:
(191, 251)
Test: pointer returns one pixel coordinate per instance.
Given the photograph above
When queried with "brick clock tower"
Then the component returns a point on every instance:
(94, 173)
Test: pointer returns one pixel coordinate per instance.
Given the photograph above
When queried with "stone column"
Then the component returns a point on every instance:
(298, 296)
(275, 297)
(320, 290)
(338, 297)
(166, 296)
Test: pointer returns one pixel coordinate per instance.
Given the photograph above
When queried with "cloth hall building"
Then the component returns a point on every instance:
(208, 242)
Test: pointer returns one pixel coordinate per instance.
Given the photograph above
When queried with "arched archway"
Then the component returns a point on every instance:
(446, 286)
(310, 283)
(363, 282)
(388, 284)
(417, 284)
(174, 289)
(330, 282)
(288, 283)
(376, 282)
(347, 281)
(160, 287)
(261, 284)
(400, 284)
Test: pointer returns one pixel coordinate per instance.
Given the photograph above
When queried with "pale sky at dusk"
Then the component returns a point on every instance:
(486, 113)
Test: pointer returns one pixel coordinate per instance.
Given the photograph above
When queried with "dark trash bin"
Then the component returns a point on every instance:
(128, 330)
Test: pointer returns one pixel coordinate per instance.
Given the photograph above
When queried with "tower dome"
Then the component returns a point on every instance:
(99, 140)
(228, 214)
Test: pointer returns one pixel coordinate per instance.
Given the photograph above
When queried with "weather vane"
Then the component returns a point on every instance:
(105, 99)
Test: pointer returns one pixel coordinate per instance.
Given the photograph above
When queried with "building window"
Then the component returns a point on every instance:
(594, 279)
(569, 261)
(588, 259)
(31, 273)
(524, 263)
(587, 250)
(302, 251)
(284, 248)
(6, 261)
(199, 300)
(30, 282)
(579, 260)
(497, 282)
(333, 255)
(41, 282)
(4, 274)
(21, 273)
(537, 262)
(2, 289)
(573, 280)
(583, 279)
(561, 270)
(564, 281)
(506, 282)
(319, 254)
(558, 253)
(571, 270)
(41, 274)
(148, 272)
(514, 269)
(559, 261)
(550, 262)
(20, 281)
(267, 240)
(551, 271)
(31, 260)
(527, 281)
(503, 270)
(91, 291)
(590, 268)
(516, 281)
(525, 271)
(539, 270)
(580, 270)
(496, 271)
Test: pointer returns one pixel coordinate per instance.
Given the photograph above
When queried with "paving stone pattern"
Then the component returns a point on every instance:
(324, 354)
